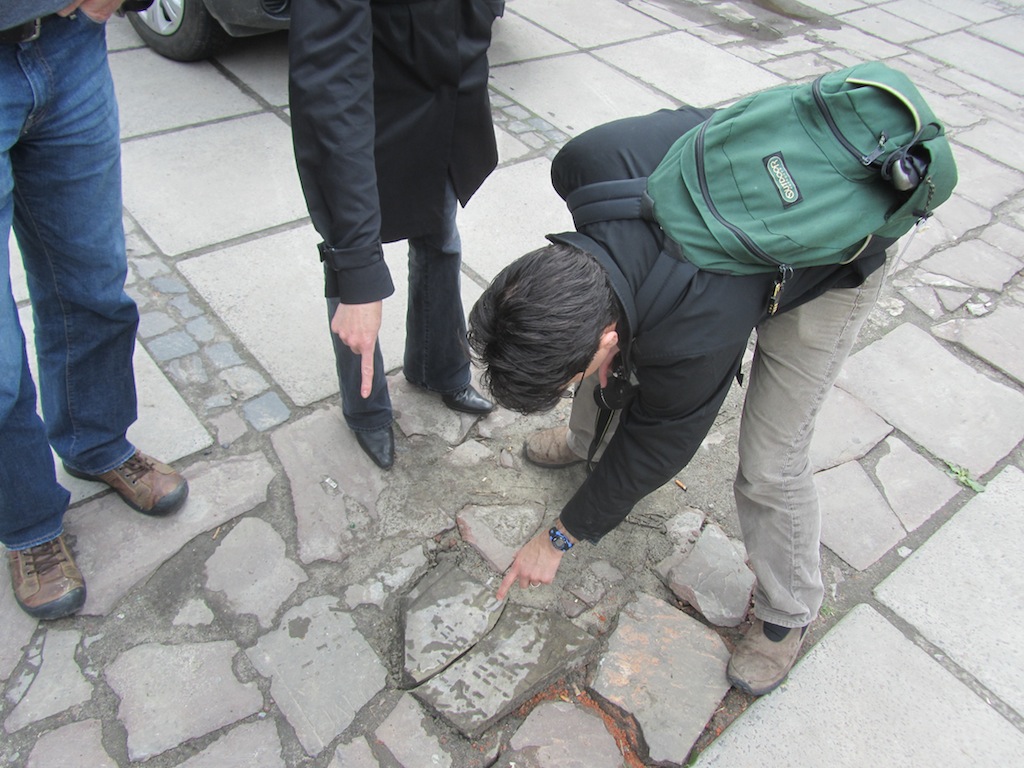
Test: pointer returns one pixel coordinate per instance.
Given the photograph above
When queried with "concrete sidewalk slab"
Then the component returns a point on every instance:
(866, 695)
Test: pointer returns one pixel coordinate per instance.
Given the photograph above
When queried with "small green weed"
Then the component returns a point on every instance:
(963, 476)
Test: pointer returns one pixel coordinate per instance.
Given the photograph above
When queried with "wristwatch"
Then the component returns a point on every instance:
(559, 540)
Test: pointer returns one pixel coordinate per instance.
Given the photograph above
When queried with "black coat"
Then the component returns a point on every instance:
(388, 101)
(692, 329)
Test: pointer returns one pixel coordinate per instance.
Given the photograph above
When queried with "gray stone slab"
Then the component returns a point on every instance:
(497, 532)
(557, 734)
(668, 671)
(846, 429)
(405, 734)
(334, 485)
(914, 488)
(509, 216)
(194, 613)
(978, 57)
(984, 181)
(921, 389)
(76, 744)
(866, 695)
(244, 381)
(517, 39)
(470, 454)
(888, 26)
(56, 685)
(218, 491)
(975, 263)
(996, 338)
(251, 568)
(713, 75)
(972, 611)
(322, 670)
(250, 745)
(587, 23)
(600, 93)
(714, 579)
(354, 755)
(189, 93)
(16, 626)
(856, 521)
(525, 652)
(419, 412)
(172, 693)
(396, 574)
(226, 180)
(445, 614)
(266, 411)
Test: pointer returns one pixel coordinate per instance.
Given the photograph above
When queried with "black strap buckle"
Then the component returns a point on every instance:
(23, 33)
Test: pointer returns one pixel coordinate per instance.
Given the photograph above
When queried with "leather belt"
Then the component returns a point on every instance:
(23, 33)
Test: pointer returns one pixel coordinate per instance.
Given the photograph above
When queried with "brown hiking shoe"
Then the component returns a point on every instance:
(759, 665)
(549, 448)
(47, 583)
(146, 485)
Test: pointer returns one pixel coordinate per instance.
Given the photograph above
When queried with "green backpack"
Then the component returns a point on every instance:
(804, 175)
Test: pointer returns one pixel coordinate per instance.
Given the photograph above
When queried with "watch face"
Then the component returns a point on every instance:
(559, 540)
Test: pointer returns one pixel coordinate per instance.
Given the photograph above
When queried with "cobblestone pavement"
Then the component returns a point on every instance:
(305, 609)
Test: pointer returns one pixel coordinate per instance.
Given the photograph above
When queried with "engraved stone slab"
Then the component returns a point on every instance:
(445, 615)
(526, 651)
(668, 671)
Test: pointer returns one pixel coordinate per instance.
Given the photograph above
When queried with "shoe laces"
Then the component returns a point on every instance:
(41, 558)
(135, 467)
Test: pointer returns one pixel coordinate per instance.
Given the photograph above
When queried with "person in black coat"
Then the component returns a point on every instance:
(392, 128)
(617, 308)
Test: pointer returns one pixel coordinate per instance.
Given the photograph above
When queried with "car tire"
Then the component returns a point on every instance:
(182, 30)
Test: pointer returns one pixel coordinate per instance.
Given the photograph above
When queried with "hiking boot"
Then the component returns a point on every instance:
(759, 664)
(146, 485)
(549, 448)
(47, 583)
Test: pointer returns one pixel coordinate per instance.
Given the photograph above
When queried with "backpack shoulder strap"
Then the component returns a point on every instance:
(609, 200)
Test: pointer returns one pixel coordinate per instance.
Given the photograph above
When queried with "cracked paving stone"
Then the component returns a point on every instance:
(399, 572)
(250, 567)
(250, 745)
(444, 615)
(219, 491)
(525, 652)
(58, 684)
(497, 532)
(667, 670)
(845, 430)
(995, 337)
(322, 670)
(77, 744)
(714, 579)
(557, 734)
(406, 736)
(172, 693)
(334, 485)
(913, 487)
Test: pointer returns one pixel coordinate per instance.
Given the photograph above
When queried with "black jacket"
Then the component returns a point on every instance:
(388, 101)
(692, 325)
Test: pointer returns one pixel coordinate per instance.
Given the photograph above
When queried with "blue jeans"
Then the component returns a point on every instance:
(60, 189)
(436, 352)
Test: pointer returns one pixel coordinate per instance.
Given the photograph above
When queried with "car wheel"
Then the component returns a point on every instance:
(182, 30)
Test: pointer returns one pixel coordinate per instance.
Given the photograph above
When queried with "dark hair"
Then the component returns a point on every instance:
(539, 324)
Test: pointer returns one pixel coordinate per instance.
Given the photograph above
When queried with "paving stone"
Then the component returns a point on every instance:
(524, 653)
(876, 21)
(951, 300)
(918, 387)
(913, 487)
(171, 345)
(667, 670)
(252, 570)
(985, 182)
(218, 492)
(683, 530)
(923, 298)
(244, 381)
(714, 579)
(194, 613)
(154, 323)
(334, 485)
(443, 616)
(77, 744)
(201, 329)
(398, 572)
(975, 56)
(230, 426)
(866, 695)
(469, 454)
(172, 693)
(557, 734)
(16, 626)
(856, 522)
(972, 612)
(250, 745)
(322, 670)
(188, 370)
(995, 338)
(985, 267)
(586, 24)
(594, 582)
(266, 411)
(418, 412)
(846, 429)
(223, 354)
(497, 532)
(355, 755)
(57, 684)
(496, 425)
(404, 732)
(168, 284)
(186, 307)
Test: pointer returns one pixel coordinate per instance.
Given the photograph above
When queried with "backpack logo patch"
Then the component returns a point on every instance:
(775, 164)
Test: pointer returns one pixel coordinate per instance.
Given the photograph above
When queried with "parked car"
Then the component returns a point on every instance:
(190, 30)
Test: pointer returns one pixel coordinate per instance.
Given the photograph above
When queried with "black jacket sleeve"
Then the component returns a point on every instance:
(332, 111)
